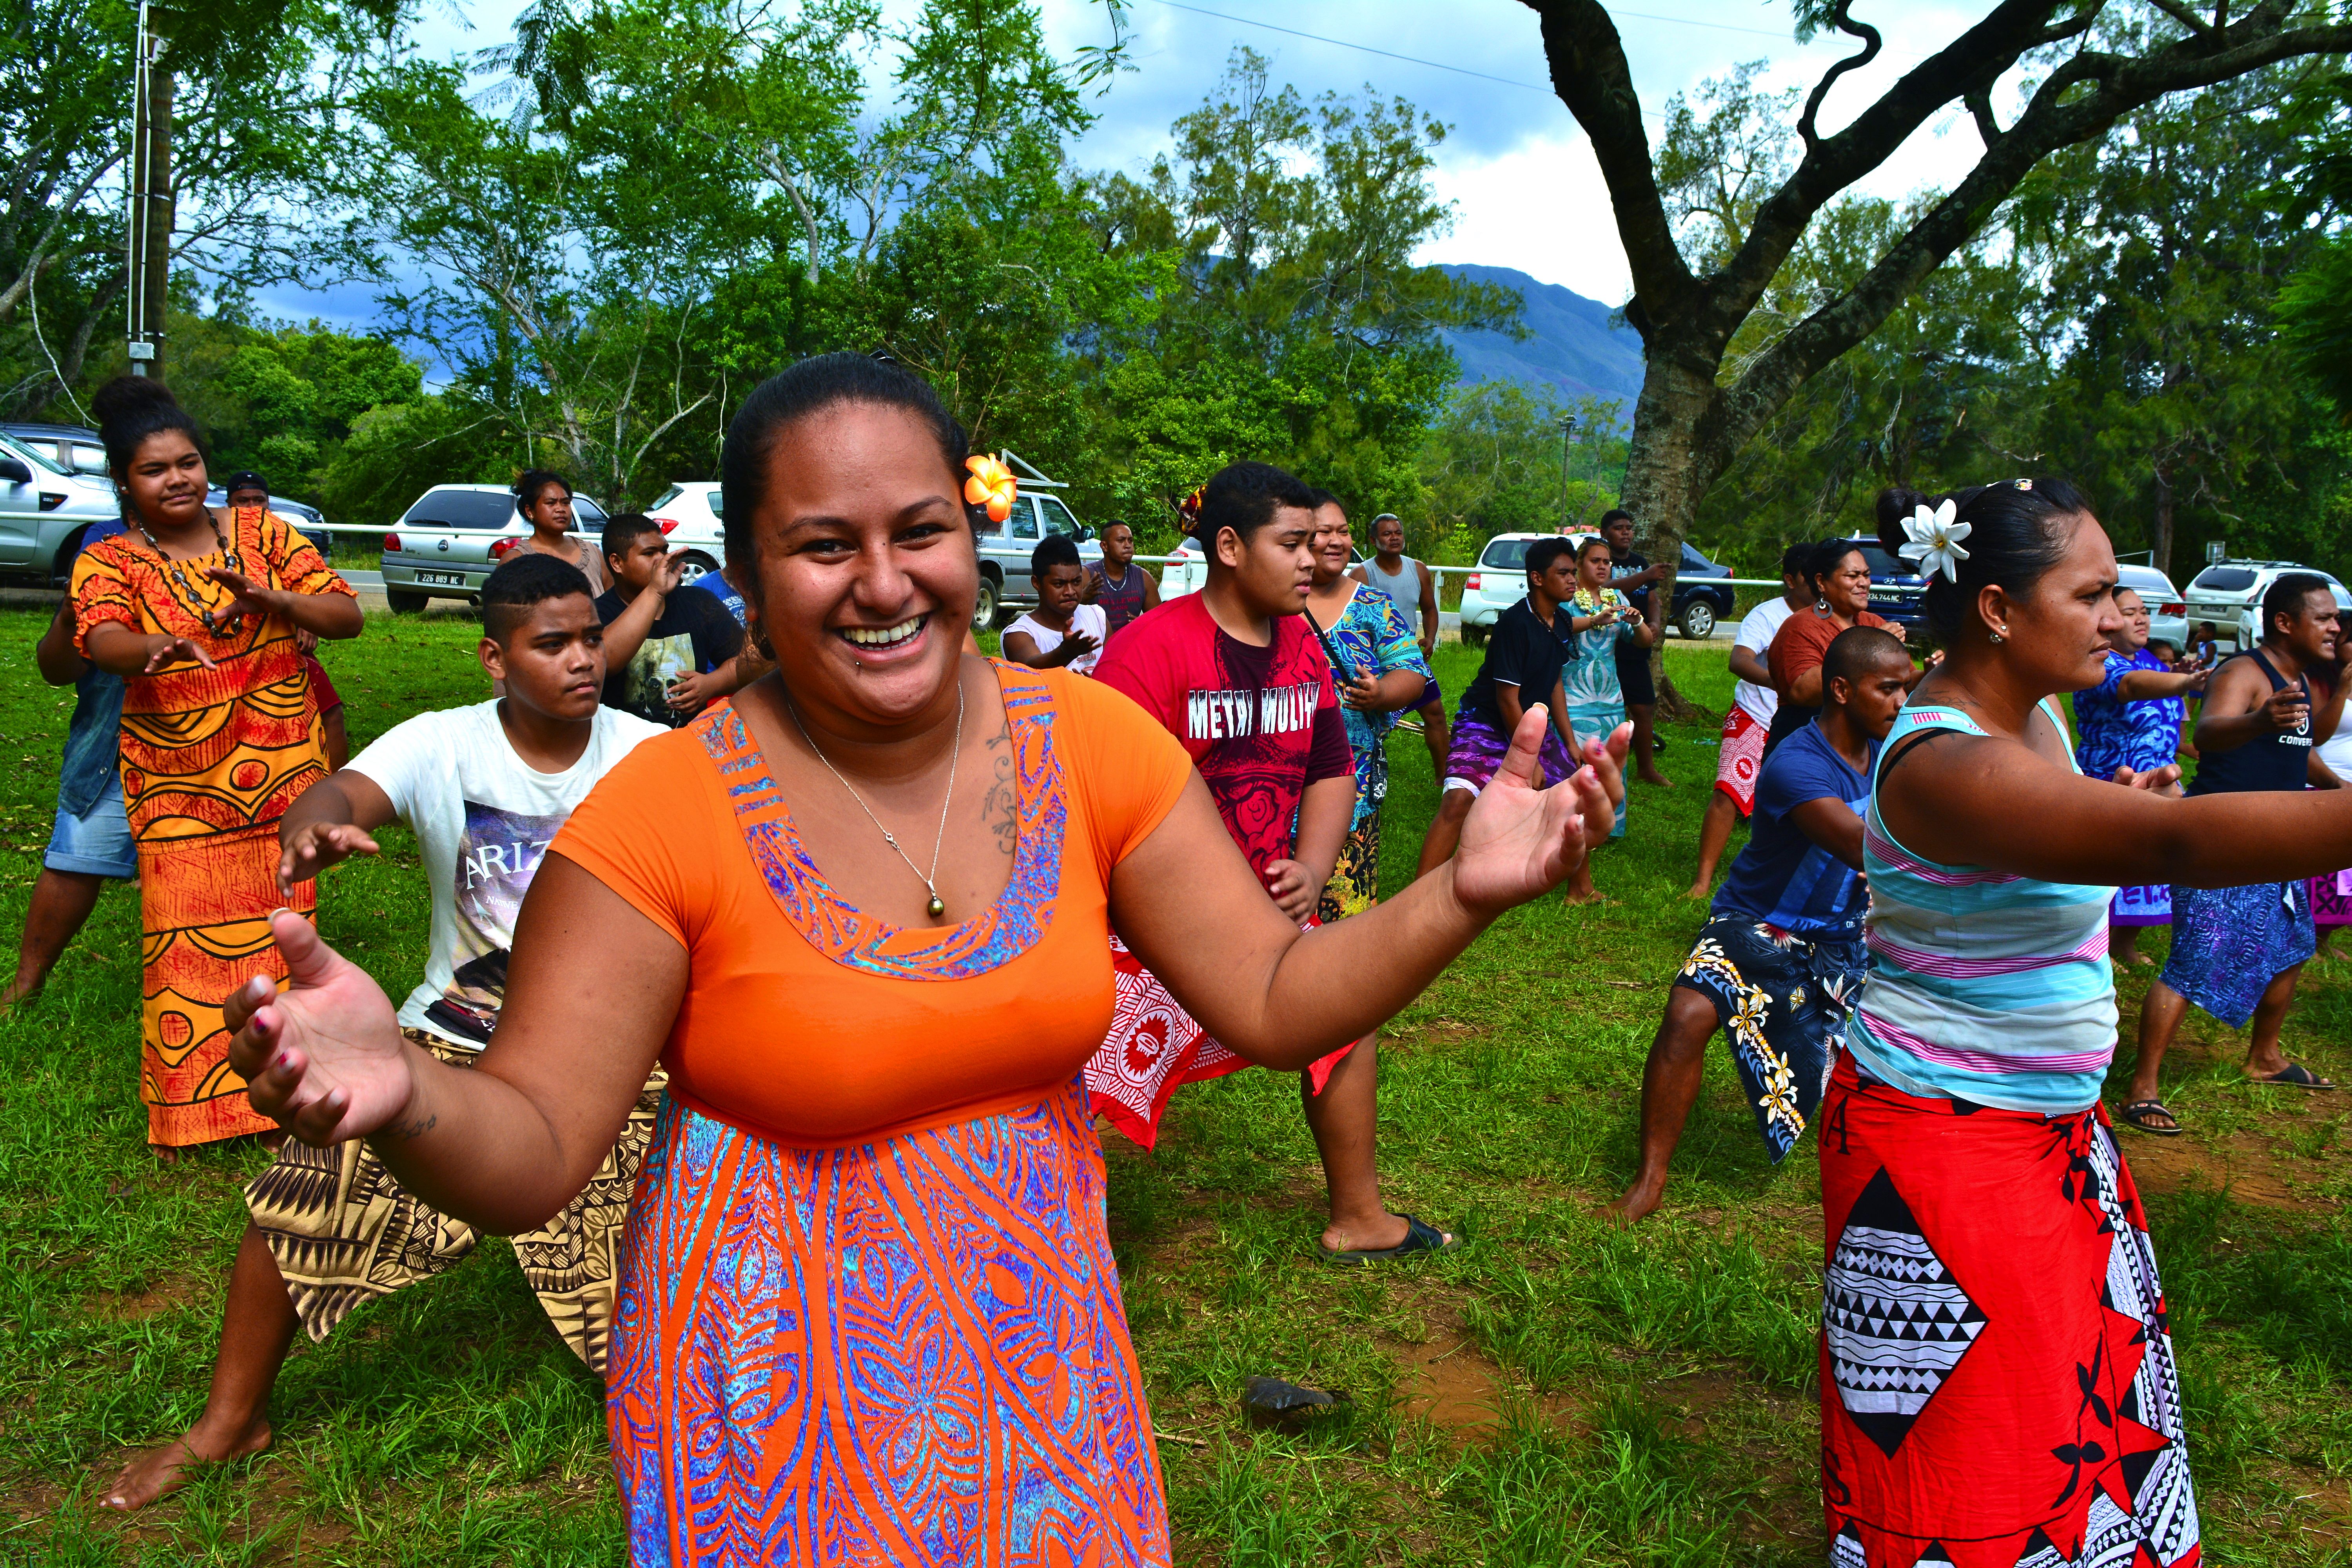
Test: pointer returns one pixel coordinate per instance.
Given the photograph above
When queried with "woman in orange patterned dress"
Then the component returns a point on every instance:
(198, 610)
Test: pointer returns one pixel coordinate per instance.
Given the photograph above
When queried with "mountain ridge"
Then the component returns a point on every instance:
(1573, 345)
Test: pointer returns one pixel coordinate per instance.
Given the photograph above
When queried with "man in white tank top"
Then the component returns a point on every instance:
(1414, 586)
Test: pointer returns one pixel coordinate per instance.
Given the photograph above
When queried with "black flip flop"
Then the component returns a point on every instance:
(2136, 1114)
(1419, 1236)
(2295, 1074)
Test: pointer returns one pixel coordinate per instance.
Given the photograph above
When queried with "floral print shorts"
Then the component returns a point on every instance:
(1782, 1000)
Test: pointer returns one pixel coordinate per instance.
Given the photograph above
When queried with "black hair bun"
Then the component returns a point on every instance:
(129, 398)
(1895, 507)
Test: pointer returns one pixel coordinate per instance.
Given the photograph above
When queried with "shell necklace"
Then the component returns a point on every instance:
(175, 571)
(937, 906)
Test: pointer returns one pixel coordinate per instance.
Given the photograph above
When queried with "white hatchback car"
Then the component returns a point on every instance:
(688, 512)
(1500, 581)
(2228, 597)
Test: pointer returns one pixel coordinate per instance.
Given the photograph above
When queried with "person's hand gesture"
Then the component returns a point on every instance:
(323, 1059)
(306, 641)
(252, 598)
(690, 693)
(2287, 709)
(2164, 781)
(1360, 691)
(165, 650)
(1076, 646)
(673, 568)
(1287, 884)
(315, 846)
(2197, 680)
(1521, 840)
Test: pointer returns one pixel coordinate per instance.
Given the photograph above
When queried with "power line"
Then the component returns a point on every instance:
(1350, 44)
(1465, 71)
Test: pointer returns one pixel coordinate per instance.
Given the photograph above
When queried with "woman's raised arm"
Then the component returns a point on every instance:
(513, 1140)
(1185, 901)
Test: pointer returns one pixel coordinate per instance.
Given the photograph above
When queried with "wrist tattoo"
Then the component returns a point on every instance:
(416, 1129)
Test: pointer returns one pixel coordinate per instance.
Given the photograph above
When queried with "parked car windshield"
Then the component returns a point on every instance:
(464, 509)
(1511, 553)
(2225, 579)
(669, 495)
(18, 449)
(1693, 558)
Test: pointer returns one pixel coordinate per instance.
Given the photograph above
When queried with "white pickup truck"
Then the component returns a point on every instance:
(447, 542)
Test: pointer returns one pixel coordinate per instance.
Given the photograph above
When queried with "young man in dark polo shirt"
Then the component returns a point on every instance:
(1531, 643)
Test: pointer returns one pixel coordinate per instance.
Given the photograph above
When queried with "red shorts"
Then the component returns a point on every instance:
(1743, 754)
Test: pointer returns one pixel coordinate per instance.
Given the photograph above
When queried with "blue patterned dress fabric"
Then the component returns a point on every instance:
(1370, 639)
(2112, 734)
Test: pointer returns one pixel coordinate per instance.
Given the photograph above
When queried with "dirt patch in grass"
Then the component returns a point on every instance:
(2246, 1166)
(1447, 1381)
(171, 1294)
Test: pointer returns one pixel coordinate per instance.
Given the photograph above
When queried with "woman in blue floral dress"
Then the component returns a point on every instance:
(2132, 720)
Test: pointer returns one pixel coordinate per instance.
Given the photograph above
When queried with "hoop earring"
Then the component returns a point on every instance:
(1821, 601)
(1997, 639)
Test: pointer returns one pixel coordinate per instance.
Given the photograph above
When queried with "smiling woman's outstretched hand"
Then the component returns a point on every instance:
(1520, 839)
(324, 1058)
(1188, 906)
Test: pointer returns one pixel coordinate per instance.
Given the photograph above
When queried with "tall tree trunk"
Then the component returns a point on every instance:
(2162, 537)
(1665, 479)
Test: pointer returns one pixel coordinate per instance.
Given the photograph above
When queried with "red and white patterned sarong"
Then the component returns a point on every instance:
(1743, 754)
(1153, 1046)
(1998, 1387)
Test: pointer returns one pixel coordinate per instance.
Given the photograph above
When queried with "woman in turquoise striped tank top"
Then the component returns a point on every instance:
(1998, 1383)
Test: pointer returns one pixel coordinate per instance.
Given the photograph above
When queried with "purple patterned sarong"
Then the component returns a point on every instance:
(2230, 943)
(1479, 748)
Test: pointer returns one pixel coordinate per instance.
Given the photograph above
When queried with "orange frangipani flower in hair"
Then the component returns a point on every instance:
(991, 485)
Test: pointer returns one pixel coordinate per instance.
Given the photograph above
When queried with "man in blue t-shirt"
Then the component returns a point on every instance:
(1779, 962)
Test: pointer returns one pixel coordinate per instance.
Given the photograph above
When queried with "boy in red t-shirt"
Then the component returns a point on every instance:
(1237, 675)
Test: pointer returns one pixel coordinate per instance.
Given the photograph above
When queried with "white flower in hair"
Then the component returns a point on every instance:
(1935, 541)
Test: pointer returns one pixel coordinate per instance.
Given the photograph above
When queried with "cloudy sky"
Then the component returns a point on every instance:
(1526, 190)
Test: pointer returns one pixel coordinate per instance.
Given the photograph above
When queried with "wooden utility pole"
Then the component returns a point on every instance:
(151, 216)
(1567, 450)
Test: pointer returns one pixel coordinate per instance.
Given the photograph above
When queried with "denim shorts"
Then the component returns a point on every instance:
(98, 842)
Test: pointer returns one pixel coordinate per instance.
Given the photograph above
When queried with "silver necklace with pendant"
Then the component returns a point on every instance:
(937, 906)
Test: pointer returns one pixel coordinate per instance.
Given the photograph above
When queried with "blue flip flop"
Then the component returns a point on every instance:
(1419, 1236)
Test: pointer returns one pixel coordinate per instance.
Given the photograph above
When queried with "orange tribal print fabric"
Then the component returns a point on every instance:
(211, 760)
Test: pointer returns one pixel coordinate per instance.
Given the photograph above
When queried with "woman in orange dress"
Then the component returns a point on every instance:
(868, 1310)
(221, 731)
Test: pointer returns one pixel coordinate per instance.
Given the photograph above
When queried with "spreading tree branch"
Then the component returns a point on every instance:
(1869, 45)
(2060, 113)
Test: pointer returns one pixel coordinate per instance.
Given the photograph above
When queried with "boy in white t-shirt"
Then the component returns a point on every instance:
(484, 788)
(1060, 630)
(1753, 703)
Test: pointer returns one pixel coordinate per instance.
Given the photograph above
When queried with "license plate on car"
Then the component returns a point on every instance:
(443, 579)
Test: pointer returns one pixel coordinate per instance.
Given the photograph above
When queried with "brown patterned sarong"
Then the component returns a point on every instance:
(343, 1231)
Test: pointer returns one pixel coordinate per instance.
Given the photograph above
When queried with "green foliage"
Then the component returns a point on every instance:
(1493, 463)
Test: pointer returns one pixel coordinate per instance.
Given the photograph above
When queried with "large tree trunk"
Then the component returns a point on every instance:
(2162, 538)
(1665, 479)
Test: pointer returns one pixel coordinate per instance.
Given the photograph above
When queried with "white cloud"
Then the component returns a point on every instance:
(1540, 207)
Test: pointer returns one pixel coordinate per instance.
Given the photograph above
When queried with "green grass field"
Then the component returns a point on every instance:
(1555, 1392)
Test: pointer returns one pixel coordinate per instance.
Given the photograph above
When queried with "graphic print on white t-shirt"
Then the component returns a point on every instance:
(498, 853)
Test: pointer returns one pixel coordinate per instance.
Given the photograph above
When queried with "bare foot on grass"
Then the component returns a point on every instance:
(1636, 1204)
(158, 1472)
(1652, 776)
